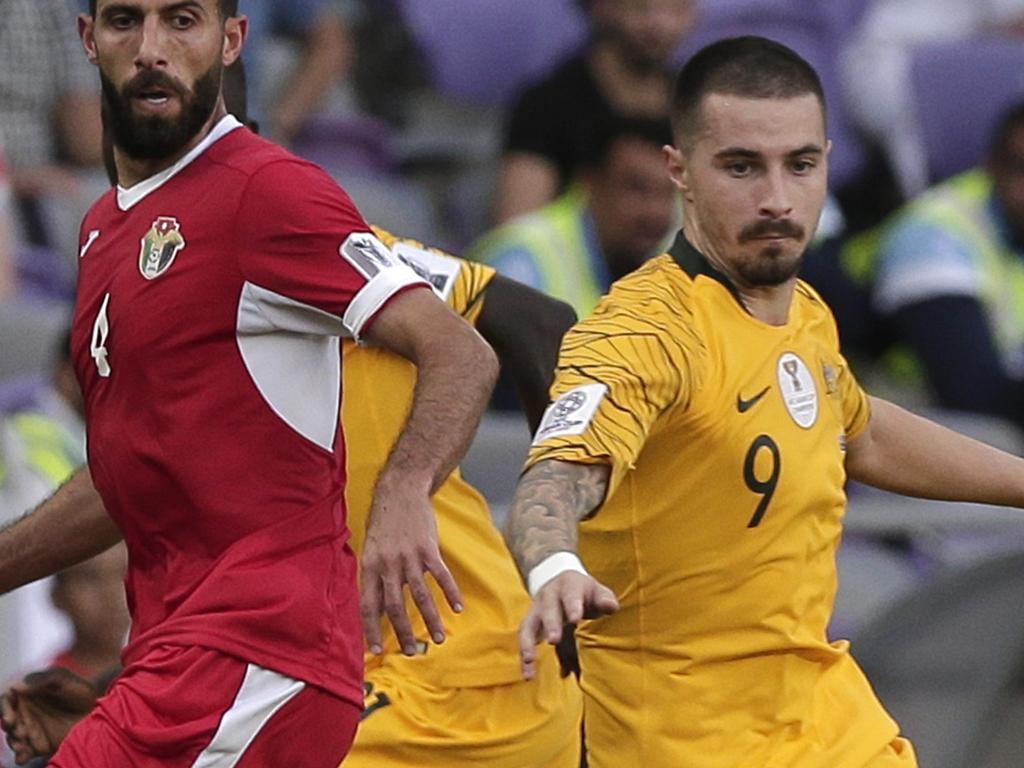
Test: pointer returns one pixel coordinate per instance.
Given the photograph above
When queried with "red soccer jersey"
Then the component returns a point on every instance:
(210, 302)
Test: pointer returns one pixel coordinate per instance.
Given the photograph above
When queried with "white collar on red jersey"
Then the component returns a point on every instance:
(126, 198)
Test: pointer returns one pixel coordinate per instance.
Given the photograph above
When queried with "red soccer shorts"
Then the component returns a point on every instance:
(197, 708)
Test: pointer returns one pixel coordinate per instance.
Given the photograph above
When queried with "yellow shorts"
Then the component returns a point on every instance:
(408, 724)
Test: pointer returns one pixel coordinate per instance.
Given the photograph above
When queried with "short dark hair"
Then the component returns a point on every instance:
(1009, 121)
(228, 8)
(751, 67)
(648, 130)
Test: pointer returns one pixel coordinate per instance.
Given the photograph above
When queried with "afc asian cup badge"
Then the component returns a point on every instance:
(799, 392)
(160, 246)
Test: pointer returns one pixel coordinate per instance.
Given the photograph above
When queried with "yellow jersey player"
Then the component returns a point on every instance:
(462, 703)
(693, 461)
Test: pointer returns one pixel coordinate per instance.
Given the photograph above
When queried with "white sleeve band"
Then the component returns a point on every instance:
(552, 566)
(372, 296)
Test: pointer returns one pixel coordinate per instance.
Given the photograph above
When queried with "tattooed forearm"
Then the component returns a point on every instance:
(551, 499)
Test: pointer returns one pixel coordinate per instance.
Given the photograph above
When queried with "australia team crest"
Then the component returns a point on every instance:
(160, 246)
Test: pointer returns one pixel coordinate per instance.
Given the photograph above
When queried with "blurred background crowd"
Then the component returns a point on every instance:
(528, 135)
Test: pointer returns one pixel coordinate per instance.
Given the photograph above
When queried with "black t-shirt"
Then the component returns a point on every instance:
(558, 118)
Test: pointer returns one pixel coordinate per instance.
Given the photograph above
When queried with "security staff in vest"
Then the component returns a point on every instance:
(42, 442)
(42, 437)
(618, 214)
(950, 280)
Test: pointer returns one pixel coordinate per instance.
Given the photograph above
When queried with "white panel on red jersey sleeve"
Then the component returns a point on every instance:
(291, 352)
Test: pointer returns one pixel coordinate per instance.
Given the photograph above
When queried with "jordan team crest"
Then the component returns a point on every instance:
(159, 247)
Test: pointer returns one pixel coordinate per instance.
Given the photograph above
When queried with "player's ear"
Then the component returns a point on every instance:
(236, 30)
(85, 32)
(678, 169)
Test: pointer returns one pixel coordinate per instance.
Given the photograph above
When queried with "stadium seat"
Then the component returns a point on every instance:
(20, 392)
(359, 152)
(348, 142)
(842, 16)
(28, 336)
(44, 274)
(959, 91)
(872, 575)
(484, 51)
(943, 658)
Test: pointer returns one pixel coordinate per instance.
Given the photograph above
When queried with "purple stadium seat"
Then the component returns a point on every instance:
(348, 143)
(20, 392)
(841, 16)
(484, 51)
(43, 274)
(959, 91)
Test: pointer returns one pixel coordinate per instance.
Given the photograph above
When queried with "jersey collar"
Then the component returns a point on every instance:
(126, 198)
(695, 263)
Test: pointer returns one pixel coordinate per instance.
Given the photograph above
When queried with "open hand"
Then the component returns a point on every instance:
(565, 599)
(401, 546)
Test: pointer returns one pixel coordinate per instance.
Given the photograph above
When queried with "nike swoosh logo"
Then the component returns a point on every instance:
(93, 234)
(745, 405)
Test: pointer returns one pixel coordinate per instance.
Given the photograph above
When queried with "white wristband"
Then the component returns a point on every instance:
(552, 566)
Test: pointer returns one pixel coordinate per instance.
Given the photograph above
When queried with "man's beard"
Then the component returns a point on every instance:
(152, 137)
(769, 267)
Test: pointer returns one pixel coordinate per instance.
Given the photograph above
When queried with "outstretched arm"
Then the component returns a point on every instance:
(542, 529)
(907, 454)
(525, 327)
(68, 528)
(455, 374)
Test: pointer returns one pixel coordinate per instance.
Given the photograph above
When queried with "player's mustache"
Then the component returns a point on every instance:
(772, 228)
(150, 79)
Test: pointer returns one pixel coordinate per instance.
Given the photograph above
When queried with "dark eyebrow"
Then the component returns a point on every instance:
(807, 149)
(110, 10)
(136, 11)
(750, 154)
(185, 5)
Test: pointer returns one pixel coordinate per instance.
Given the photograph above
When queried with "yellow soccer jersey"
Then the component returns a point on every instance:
(377, 393)
(726, 439)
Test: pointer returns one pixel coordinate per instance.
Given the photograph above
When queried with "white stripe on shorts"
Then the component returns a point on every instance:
(262, 694)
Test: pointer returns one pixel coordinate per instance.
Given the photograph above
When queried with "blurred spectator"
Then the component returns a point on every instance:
(43, 437)
(322, 29)
(876, 68)
(42, 441)
(92, 598)
(950, 280)
(8, 281)
(49, 99)
(625, 70)
(617, 217)
(91, 595)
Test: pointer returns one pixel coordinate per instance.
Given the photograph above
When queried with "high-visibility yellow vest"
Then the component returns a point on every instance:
(556, 238)
(49, 449)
